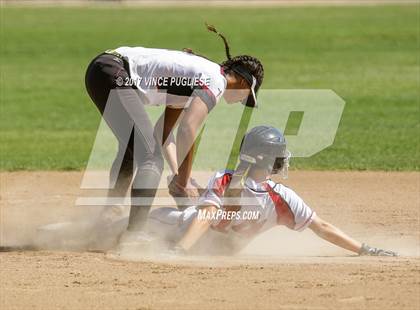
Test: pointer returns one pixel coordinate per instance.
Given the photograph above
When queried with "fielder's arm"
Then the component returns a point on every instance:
(197, 228)
(189, 126)
(334, 235)
(163, 132)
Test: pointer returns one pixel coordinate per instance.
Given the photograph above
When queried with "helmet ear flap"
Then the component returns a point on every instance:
(247, 158)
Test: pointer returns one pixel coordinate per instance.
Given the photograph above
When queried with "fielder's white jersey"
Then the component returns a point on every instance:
(274, 203)
(157, 72)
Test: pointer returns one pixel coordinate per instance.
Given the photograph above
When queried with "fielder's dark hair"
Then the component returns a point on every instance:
(251, 63)
(255, 67)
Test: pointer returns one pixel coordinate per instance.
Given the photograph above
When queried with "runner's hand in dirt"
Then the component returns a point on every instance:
(367, 250)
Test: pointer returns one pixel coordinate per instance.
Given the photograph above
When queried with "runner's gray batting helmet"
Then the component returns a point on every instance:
(265, 147)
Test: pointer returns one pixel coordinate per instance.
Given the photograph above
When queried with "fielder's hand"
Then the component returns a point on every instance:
(371, 251)
(177, 190)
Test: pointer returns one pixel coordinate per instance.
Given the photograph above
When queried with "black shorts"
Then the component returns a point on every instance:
(124, 110)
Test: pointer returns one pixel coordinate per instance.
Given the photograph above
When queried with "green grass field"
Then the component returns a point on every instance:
(367, 55)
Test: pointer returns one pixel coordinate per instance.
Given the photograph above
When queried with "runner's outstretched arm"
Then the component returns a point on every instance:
(334, 235)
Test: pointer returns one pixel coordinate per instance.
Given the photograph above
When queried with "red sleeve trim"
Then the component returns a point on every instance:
(207, 96)
(221, 183)
(285, 215)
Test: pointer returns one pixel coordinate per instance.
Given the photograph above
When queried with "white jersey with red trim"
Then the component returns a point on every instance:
(275, 203)
(157, 72)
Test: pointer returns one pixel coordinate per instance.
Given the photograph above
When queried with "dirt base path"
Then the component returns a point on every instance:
(280, 270)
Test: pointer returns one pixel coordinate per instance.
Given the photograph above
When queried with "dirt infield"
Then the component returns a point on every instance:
(280, 270)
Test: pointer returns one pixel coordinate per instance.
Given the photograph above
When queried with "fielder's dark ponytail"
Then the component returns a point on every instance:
(254, 66)
(227, 48)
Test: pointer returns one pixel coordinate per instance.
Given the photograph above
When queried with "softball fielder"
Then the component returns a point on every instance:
(263, 153)
(123, 81)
